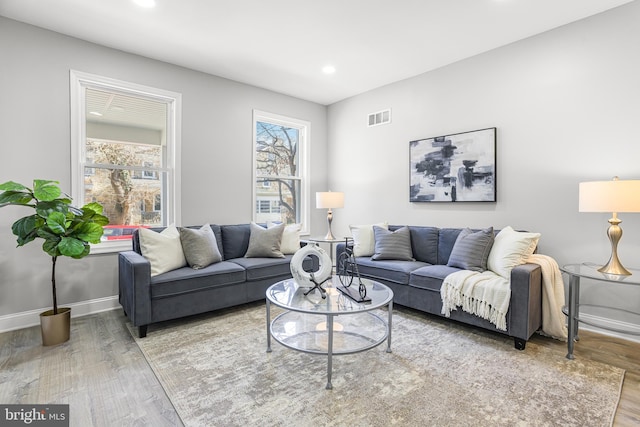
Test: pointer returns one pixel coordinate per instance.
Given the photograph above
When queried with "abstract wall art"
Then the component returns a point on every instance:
(460, 167)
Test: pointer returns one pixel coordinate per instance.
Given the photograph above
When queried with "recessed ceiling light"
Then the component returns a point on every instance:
(328, 69)
(145, 3)
(95, 113)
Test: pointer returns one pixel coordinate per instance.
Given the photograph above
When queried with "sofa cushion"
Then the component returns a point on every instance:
(290, 238)
(471, 250)
(200, 246)
(392, 271)
(430, 277)
(262, 268)
(446, 241)
(511, 248)
(424, 243)
(265, 242)
(184, 280)
(392, 245)
(163, 250)
(235, 240)
(363, 239)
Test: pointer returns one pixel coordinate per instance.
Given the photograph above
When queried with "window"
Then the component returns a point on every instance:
(281, 188)
(125, 152)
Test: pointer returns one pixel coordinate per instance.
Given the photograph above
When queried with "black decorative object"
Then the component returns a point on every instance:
(460, 167)
(317, 286)
(347, 272)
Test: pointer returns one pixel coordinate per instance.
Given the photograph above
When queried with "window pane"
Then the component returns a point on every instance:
(126, 200)
(276, 150)
(124, 154)
(278, 202)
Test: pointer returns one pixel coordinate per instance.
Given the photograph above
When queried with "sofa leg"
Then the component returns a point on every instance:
(520, 344)
(142, 331)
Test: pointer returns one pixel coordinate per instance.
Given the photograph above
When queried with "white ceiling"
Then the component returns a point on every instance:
(282, 45)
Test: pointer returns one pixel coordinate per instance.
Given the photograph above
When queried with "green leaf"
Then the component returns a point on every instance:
(70, 246)
(13, 186)
(95, 207)
(101, 220)
(57, 222)
(15, 198)
(46, 190)
(89, 232)
(25, 226)
(50, 246)
(85, 252)
(44, 209)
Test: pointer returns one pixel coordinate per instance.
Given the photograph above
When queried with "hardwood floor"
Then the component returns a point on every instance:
(105, 379)
(100, 372)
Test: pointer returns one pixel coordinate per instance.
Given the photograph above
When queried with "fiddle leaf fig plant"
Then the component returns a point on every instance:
(65, 229)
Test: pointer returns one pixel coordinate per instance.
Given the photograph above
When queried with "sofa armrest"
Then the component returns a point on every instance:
(134, 283)
(526, 301)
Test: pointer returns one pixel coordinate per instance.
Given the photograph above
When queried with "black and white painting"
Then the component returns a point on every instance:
(454, 168)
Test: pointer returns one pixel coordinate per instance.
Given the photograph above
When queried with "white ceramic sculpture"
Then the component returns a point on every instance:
(302, 277)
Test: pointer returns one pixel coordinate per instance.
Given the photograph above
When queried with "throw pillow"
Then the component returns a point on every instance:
(394, 245)
(265, 242)
(511, 248)
(363, 239)
(163, 250)
(471, 249)
(290, 238)
(199, 246)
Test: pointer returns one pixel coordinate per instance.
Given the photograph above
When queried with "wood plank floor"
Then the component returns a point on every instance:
(106, 380)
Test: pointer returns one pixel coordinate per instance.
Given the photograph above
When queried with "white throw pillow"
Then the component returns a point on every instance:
(163, 250)
(511, 248)
(290, 237)
(363, 238)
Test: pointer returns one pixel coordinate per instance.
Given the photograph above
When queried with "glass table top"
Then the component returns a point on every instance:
(590, 270)
(288, 294)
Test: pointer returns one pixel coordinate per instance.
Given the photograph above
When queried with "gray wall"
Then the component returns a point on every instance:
(35, 143)
(566, 105)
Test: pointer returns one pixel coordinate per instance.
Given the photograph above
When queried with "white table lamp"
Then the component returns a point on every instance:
(611, 196)
(329, 200)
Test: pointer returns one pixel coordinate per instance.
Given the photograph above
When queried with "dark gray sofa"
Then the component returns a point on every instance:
(185, 291)
(416, 284)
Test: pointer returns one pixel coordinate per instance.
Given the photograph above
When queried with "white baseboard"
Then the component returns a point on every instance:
(29, 318)
(610, 323)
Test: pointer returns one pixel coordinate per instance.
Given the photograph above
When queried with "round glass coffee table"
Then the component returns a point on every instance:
(332, 325)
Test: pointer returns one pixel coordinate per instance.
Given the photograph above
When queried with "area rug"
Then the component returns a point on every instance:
(216, 372)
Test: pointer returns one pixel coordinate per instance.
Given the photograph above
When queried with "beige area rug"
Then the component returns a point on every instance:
(216, 371)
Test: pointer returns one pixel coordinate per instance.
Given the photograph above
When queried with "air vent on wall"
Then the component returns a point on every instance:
(380, 118)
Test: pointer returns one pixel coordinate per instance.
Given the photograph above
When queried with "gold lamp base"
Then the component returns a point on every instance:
(614, 266)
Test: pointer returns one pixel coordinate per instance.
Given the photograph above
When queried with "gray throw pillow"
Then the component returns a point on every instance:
(471, 250)
(265, 243)
(200, 246)
(392, 245)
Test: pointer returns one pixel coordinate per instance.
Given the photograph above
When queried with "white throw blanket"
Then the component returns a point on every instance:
(553, 319)
(487, 295)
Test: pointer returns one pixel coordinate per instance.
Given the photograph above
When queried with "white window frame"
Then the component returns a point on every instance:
(304, 142)
(79, 83)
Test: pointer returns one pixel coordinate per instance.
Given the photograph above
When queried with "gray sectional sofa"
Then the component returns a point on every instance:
(416, 284)
(186, 291)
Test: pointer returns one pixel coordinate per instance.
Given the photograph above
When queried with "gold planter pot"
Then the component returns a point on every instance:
(55, 327)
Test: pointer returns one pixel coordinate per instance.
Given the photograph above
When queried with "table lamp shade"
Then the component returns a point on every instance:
(329, 200)
(609, 196)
